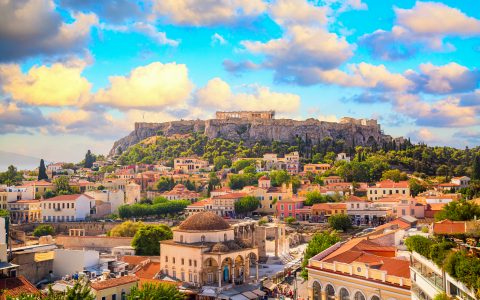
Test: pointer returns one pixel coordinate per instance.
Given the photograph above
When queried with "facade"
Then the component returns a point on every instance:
(358, 269)
(205, 252)
(66, 208)
(268, 195)
(113, 288)
(363, 211)
(199, 206)
(132, 193)
(247, 115)
(388, 188)
(289, 208)
(179, 192)
(316, 168)
(462, 181)
(332, 179)
(322, 211)
(224, 205)
(114, 198)
(189, 165)
(25, 211)
(67, 261)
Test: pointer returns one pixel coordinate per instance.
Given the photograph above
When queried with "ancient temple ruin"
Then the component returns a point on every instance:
(246, 115)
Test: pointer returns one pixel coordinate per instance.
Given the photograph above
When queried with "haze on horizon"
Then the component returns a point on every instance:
(76, 75)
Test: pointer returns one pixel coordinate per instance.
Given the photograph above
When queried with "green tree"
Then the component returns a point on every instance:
(476, 167)
(151, 291)
(42, 171)
(340, 222)
(43, 229)
(279, 177)
(126, 229)
(290, 220)
(62, 185)
(242, 164)
(395, 175)
(462, 210)
(221, 162)
(11, 176)
(419, 244)
(416, 187)
(147, 239)
(89, 159)
(318, 243)
(165, 184)
(315, 197)
(246, 205)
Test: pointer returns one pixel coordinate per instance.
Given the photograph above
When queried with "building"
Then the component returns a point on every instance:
(290, 208)
(132, 193)
(66, 208)
(224, 205)
(358, 269)
(69, 261)
(199, 206)
(462, 181)
(246, 115)
(342, 157)
(189, 165)
(113, 288)
(115, 198)
(363, 211)
(37, 188)
(387, 188)
(25, 211)
(204, 252)
(180, 192)
(316, 168)
(322, 211)
(268, 195)
(332, 179)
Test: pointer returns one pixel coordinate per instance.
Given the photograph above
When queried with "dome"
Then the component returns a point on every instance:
(204, 221)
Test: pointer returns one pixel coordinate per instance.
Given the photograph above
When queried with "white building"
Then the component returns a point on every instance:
(132, 193)
(68, 262)
(66, 208)
(462, 181)
(115, 198)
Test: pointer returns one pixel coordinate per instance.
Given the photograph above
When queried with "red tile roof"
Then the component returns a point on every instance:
(450, 227)
(16, 286)
(149, 271)
(73, 197)
(356, 199)
(323, 206)
(113, 282)
(133, 259)
(388, 184)
(231, 196)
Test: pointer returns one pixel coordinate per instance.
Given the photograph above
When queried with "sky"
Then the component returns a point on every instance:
(76, 74)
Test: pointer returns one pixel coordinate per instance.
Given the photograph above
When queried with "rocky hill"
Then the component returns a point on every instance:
(352, 131)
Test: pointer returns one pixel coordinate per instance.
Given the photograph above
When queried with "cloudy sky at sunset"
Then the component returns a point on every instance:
(77, 74)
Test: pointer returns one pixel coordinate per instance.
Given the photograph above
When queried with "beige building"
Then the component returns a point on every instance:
(388, 188)
(268, 195)
(359, 269)
(316, 168)
(189, 164)
(113, 288)
(224, 205)
(132, 193)
(25, 211)
(205, 252)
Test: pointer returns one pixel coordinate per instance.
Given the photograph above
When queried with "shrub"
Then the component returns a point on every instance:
(340, 222)
(44, 229)
(290, 220)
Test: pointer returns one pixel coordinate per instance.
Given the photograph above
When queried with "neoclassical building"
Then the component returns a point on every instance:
(204, 251)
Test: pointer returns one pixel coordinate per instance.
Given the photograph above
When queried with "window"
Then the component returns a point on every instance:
(210, 277)
(73, 205)
(403, 211)
(330, 292)
(281, 207)
(352, 205)
(166, 258)
(190, 277)
(358, 205)
(183, 276)
(317, 291)
(183, 261)
(344, 294)
(359, 296)
(114, 297)
(190, 262)
(202, 238)
(195, 263)
(173, 259)
(181, 238)
(174, 274)
(225, 237)
(289, 207)
(271, 206)
(104, 298)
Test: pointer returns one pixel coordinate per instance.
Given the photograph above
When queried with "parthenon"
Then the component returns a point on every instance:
(247, 115)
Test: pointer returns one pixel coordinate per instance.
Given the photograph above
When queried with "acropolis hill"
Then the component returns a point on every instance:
(258, 126)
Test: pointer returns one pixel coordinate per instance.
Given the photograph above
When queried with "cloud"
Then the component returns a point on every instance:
(472, 136)
(423, 135)
(446, 79)
(151, 31)
(239, 67)
(155, 85)
(300, 51)
(60, 84)
(422, 27)
(218, 39)
(218, 95)
(36, 28)
(116, 11)
(20, 119)
(368, 97)
(207, 13)
(298, 12)
(446, 112)
(470, 99)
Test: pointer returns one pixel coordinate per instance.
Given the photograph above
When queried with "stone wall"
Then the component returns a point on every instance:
(256, 130)
(33, 270)
(99, 243)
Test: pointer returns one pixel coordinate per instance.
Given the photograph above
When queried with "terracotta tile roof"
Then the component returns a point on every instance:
(73, 197)
(25, 201)
(389, 184)
(231, 196)
(353, 198)
(450, 227)
(201, 203)
(397, 223)
(323, 206)
(435, 206)
(133, 259)
(149, 271)
(105, 284)
(16, 286)
(39, 183)
(448, 184)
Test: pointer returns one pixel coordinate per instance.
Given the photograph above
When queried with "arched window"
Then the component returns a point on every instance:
(375, 298)
(317, 290)
(330, 291)
(344, 294)
(360, 296)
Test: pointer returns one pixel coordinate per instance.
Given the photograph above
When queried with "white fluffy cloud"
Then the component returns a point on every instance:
(422, 27)
(35, 27)
(207, 12)
(155, 85)
(298, 12)
(60, 84)
(217, 94)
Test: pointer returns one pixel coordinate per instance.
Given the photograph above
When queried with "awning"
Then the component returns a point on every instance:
(7, 265)
(239, 297)
(259, 292)
(208, 292)
(250, 295)
(269, 285)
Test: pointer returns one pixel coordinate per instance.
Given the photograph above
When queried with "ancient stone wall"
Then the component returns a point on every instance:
(99, 243)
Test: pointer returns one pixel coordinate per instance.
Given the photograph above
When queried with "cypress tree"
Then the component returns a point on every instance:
(42, 171)
(476, 167)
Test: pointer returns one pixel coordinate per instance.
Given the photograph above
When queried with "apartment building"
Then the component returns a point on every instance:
(66, 208)
(25, 211)
(387, 188)
(189, 165)
(316, 168)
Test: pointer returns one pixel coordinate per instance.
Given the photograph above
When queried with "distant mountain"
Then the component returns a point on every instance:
(20, 161)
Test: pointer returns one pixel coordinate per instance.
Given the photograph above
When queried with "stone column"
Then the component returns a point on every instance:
(256, 270)
(323, 295)
(233, 273)
(310, 293)
(219, 278)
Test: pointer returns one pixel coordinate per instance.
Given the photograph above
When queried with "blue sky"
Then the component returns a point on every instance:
(76, 75)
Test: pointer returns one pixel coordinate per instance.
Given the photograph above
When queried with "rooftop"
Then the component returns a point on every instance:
(109, 283)
(204, 221)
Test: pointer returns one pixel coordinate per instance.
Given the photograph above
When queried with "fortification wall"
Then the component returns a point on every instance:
(99, 243)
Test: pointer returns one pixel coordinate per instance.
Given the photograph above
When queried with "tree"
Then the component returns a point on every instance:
(290, 220)
(43, 229)
(62, 185)
(419, 244)
(340, 222)
(315, 197)
(476, 167)
(89, 159)
(42, 171)
(416, 187)
(165, 184)
(221, 162)
(279, 177)
(462, 210)
(318, 243)
(11, 176)
(246, 205)
(239, 181)
(80, 290)
(126, 229)
(395, 175)
(147, 239)
(151, 291)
